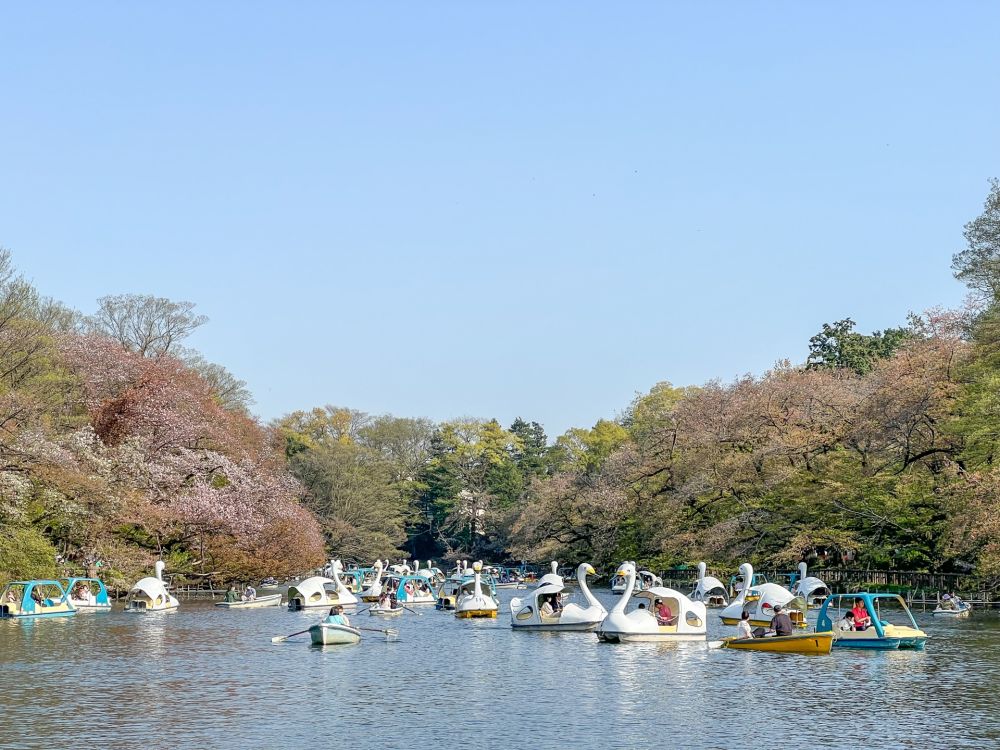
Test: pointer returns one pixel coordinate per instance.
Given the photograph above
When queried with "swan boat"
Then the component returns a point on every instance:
(736, 583)
(813, 590)
(708, 589)
(881, 634)
(447, 592)
(150, 594)
(329, 634)
(42, 598)
(87, 594)
(644, 579)
(641, 624)
(952, 607)
(797, 643)
(270, 600)
(373, 590)
(525, 614)
(475, 595)
(319, 591)
(760, 600)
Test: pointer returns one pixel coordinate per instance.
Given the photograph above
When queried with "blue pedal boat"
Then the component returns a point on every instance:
(43, 598)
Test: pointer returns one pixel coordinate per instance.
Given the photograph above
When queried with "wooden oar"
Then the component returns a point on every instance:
(411, 610)
(280, 638)
(361, 610)
(385, 631)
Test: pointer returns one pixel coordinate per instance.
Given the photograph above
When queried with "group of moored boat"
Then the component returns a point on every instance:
(646, 611)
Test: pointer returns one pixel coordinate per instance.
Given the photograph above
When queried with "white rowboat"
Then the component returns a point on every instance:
(271, 600)
(328, 634)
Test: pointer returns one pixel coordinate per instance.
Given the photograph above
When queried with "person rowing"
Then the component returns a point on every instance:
(337, 617)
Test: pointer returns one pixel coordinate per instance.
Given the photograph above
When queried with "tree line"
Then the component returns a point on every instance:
(120, 445)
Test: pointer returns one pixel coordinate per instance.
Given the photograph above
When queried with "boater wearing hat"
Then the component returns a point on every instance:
(781, 623)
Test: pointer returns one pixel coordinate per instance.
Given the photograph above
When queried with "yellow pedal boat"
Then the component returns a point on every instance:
(797, 643)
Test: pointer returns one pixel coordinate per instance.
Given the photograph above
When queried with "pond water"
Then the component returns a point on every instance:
(204, 677)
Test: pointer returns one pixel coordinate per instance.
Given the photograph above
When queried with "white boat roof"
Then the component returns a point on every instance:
(548, 588)
(710, 582)
(659, 592)
(150, 586)
(313, 583)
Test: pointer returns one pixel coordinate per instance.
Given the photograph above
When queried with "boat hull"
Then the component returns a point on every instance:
(568, 627)
(385, 612)
(606, 636)
(468, 613)
(799, 643)
(143, 610)
(328, 634)
(271, 600)
(952, 613)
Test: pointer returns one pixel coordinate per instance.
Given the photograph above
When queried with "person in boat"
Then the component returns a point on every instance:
(861, 619)
(781, 623)
(663, 614)
(947, 602)
(36, 594)
(249, 594)
(337, 617)
(231, 595)
(743, 629)
(847, 621)
(383, 601)
(546, 609)
(81, 593)
(393, 601)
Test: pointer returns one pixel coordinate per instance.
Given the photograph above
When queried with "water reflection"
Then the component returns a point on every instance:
(203, 677)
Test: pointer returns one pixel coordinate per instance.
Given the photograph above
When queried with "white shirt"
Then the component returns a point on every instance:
(743, 629)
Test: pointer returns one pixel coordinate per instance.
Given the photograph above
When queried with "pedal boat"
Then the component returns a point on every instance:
(641, 624)
(708, 589)
(525, 614)
(760, 600)
(318, 591)
(329, 634)
(813, 590)
(87, 594)
(18, 600)
(373, 591)
(797, 643)
(475, 596)
(150, 594)
(881, 634)
(447, 592)
(411, 589)
(270, 600)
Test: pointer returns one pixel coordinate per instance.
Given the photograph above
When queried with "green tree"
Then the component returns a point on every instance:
(978, 265)
(838, 346)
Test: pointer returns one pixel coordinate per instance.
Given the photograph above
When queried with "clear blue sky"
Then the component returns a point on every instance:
(471, 209)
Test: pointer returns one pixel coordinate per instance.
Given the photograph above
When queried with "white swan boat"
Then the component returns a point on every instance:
(687, 621)
(270, 600)
(813, 590)
(328, 634)
(760, 599)
(526, 613)
(373, 591)
(708, 589)
(319, 591)
(150, 594)
(644, 579)
(475, 596)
